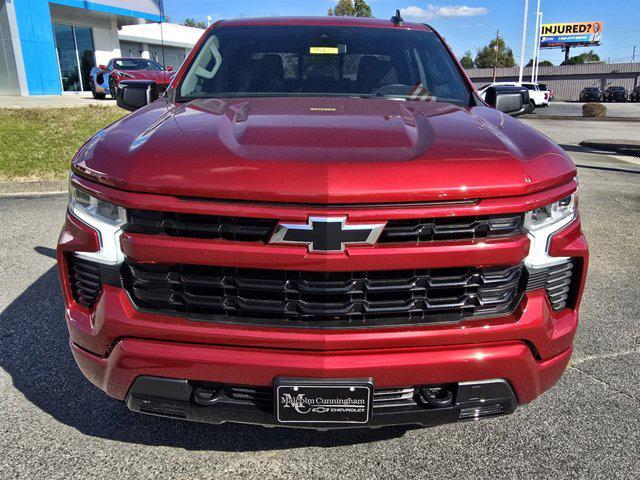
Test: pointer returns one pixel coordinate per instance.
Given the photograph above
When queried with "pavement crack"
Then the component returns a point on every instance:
(599, 380)
(604, 355)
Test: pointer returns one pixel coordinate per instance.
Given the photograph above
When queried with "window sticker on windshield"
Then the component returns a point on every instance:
(328, 50)
(324, 50)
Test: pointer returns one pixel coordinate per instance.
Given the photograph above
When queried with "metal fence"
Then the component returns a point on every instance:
(567, 80)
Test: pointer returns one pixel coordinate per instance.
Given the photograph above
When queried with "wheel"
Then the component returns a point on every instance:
(532, 106)
(96, 95)
(112, 88)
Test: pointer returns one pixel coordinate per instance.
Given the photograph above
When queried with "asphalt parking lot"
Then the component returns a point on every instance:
(574, 109)
(55, 424)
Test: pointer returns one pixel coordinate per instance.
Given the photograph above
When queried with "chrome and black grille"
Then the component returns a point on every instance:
(440, 229)
(323, 299)
(243, 229)
(558, 281)
(199, 226)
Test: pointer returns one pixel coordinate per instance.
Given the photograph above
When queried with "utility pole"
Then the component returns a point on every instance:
(633, 56)
(496, 47)
(524, 39)
(537, 67)
(536, 45)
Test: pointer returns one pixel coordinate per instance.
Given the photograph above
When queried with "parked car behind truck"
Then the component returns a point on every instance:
(539, 95)
(320, 224)
(104, 79)
(615, 94)
(591, 94)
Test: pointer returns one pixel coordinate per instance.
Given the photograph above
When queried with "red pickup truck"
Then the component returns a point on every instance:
(320, 224)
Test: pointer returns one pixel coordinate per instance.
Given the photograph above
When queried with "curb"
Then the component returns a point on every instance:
(621, 146)
(533, 116)
(33, 187)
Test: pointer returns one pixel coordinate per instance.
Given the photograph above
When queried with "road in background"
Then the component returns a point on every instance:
(56, 425)
(53, 101)
(574, 109)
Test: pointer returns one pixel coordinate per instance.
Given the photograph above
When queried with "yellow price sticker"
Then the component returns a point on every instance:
(324, 50)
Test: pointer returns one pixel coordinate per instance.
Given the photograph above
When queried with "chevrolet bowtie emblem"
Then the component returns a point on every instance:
(327, 234)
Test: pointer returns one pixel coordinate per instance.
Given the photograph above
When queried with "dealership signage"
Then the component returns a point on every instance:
(570, 34)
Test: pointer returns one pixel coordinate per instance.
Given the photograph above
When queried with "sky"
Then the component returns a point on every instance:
(465, 24)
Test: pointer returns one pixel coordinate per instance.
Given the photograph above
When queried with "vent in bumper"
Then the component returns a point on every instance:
(262, 397)
(558, 281)
(473, 413)
(86, 279)
(86, 283)
(323, 299)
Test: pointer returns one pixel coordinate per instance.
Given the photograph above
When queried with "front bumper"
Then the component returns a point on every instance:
(116, 344)
(173, 398)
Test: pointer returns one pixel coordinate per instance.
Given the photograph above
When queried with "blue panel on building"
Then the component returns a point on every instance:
(38, 47)
(37, 41)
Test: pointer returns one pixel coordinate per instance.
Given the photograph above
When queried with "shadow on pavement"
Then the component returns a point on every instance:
(34, 350)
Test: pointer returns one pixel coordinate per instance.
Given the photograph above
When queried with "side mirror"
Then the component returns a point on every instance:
(169, 68)
(102, 67)
(134, 94)
(511, 100)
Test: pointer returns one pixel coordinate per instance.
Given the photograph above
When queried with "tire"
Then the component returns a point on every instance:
(96, 95)
(112, 88)
(532, 106)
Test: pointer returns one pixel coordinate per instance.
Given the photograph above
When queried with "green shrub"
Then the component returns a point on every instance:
(594, 110)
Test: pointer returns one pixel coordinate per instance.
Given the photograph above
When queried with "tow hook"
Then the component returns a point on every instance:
(206, 395)
(438, 397)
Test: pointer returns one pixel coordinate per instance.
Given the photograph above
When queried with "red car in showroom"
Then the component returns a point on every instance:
(320, 224)
(104, 79)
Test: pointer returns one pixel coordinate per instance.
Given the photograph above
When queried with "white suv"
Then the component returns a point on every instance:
(538, 93)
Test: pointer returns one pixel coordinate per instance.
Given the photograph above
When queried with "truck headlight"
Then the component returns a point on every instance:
(106, 218)
(100, 210)
(542, 223)
(551, 214)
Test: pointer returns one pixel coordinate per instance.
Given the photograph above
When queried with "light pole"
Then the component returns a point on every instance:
(538, 57)
(524, 39)
(536, 45)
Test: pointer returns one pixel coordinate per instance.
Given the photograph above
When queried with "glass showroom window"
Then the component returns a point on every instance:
(76, 56)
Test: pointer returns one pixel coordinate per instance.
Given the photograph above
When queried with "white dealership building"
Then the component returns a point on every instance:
(50, 46)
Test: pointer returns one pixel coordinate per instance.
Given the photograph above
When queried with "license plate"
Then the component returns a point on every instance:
(323, 401)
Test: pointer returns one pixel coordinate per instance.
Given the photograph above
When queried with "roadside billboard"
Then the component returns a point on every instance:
(570, 34)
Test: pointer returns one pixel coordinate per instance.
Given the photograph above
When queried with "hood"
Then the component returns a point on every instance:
(323, 150)
(159, 76)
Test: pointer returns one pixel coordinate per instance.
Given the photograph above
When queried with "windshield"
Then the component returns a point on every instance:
(324, 61)
(136, 64)
(591, 89)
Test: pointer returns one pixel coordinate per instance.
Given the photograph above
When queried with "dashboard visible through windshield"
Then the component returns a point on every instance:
(324, 61)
